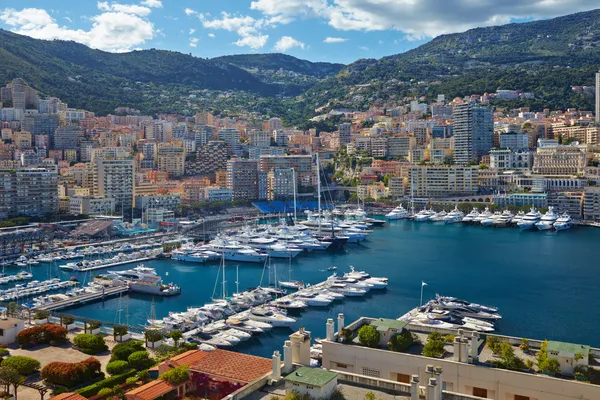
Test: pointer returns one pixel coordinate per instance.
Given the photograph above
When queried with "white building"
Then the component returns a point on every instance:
(212, 194)
(510, 159)
(115, 179)
(91, 205)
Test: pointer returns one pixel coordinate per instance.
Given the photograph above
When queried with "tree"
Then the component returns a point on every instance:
(140, 360)
(11, 377)
(153, 336)
(493, 342)
(117, 367)
(368, 336)
(122, 351)
(434, 347)
(176, 336)
(119, 331)
(177, 375)
(550, 365)
(510, 361)
(401, 341)
(22, 364)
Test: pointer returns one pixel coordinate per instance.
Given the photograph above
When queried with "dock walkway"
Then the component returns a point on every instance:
(84, 298)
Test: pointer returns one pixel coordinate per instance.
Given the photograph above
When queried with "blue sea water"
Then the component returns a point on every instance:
(542, 282)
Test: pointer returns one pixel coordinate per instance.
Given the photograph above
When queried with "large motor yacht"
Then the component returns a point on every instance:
(454, 216)
(471, 216)
(504, 219)
(485, 214)
(563, 222)
(529, 220)
(398, 213)
(548, 220)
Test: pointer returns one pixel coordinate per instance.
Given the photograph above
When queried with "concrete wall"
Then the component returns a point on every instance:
(457, 377)
(10, 335)
(313, 391)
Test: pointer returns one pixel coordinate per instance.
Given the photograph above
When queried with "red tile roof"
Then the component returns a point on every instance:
(188, 358)
(150, 390)
(68, 396)
(236, 366)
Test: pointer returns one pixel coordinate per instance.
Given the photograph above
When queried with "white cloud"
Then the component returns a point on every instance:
(364, 48)
(153, 3)
(194, 42)
(189, 12)
(192, 31)
(253, 41)
(286, 43)
(334, 40)
(423, 18)
(124, 8)
(115, 31)
(211, 35)
(69, 20)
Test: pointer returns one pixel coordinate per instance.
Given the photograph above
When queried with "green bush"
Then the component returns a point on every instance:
(347, 335)
(140, 360)
(401, 341)
(493, 342)
(41, 315)
(550, 365)
(117, 367)
(176, 375)
(368, 336)
(90, 344)
(122, 351)
(91, 390)
(105, 392)
(131, 381)
(23, 365)
(434, 347)
(3, 352)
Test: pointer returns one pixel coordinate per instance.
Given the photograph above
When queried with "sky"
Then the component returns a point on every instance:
(317, 30)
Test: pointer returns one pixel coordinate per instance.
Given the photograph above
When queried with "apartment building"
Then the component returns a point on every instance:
(591, 203)
(209, 159)
(231, 136)
(192, 191)
(114, 178)
(559, 160)
(29, 192)
(171, 159)
(242, 179)
(511, 159)
(281, 184)
(400, 146)
(91, 205)
(302, 164)
(473, 132)
(443, 181)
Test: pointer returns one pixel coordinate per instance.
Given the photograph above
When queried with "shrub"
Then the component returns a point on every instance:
(347, 335)
(105, 392)
(3, 352)
(23, 365)
(509, 359)
(41, 315)
(132, 380)
(434, 347)
(164, 349)
(90, 344)
(122, 351)
(42, 334)
(71, 374)
(143, 375)
(542, 354)
(401, 341)
(140, 360)
(177, 375)
(529, 364)
(117, 367)
(91, 390)
(189, 346)
(368, 336)
(493, 342)
(550, 365)
(449, 338)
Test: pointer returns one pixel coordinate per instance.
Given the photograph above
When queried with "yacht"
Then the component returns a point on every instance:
(489, 221)
(274, 318)
(485, 214)
(504, 219)
(313, 299)
(437, 217)
(529, 220)
(517, 218)
(471, 216)
(347, 290)
(189, 256)
(454, 216)
(423, 215)
(233, 251)
(289, 304)
(398, 213)
(291, 284)
(453, 302)
(548, 220)
(563, 222)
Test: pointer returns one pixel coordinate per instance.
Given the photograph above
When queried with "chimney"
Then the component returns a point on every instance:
(414, 387)
(276, 376)
(464, 350)
(301, 346)
(432, 389)
(329, 329)
(456, 349)
(437, 371)
(340, 324)
(287, 357)
(475, 347)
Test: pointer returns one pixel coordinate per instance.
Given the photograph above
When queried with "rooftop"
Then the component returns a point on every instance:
(384, 324)
(68, 396)
(9, 323)
(231, 365)
(188, 358)
(150, 390)
(564, 347)
(311, 376)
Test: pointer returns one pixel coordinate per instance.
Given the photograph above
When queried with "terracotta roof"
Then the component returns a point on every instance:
(188, 358)
(68, 396)
(151, 390)
(236, 366)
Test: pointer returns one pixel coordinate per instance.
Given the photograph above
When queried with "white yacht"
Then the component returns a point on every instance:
(454, 216)
(289, 304)
(504, 219)
(437, 217)
(423, 215)
(471, 216)
(517, 218)
(485, 214)
(266, 315)
(563, 222)
(548, 220)
(529, 220)
(398, 213)
(489, 221)
(191, 256)
(346, 290)
(313, 299)
(233, 251)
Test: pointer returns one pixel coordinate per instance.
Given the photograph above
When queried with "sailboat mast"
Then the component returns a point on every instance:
(319, 191)
(224, 283)
(294, 186)
(237, 278)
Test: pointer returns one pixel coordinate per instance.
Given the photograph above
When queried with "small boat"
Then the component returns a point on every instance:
(331, 268)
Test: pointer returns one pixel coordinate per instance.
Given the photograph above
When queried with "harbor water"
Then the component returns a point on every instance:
(542, 282)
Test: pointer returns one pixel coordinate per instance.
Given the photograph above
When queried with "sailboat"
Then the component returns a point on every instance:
(291, 284)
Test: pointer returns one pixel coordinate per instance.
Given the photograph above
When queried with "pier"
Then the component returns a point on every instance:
(113, 291)
(114, 264)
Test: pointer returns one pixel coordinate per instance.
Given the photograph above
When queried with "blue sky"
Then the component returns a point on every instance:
(317, 30)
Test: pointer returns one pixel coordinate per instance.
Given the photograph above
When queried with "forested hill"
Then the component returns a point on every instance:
(277, 61)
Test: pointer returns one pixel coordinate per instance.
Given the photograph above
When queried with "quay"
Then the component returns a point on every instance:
(113, 291)
(137, 260)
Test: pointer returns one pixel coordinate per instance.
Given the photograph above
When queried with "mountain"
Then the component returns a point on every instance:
(278, 61)
(99, 81)
(545, 57)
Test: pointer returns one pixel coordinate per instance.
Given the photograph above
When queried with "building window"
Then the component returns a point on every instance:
(519, 397)
(480, 392)
(344, 366)
(402, 378)
(371, 372)
(1, 332)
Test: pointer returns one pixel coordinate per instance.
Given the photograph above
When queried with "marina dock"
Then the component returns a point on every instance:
(113, 291)
(137, 260)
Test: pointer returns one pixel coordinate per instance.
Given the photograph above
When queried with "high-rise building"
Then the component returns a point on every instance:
(114, 178)
(281, 184)
(305, 175)
(28, 191)
(209, 159)
(473, 133)
(345, 133)
(68, 137)
(598, 97)
(242, 179)
(171, 159)
(275, 124)
(149, 151)
(231, 136)
(41, 124)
